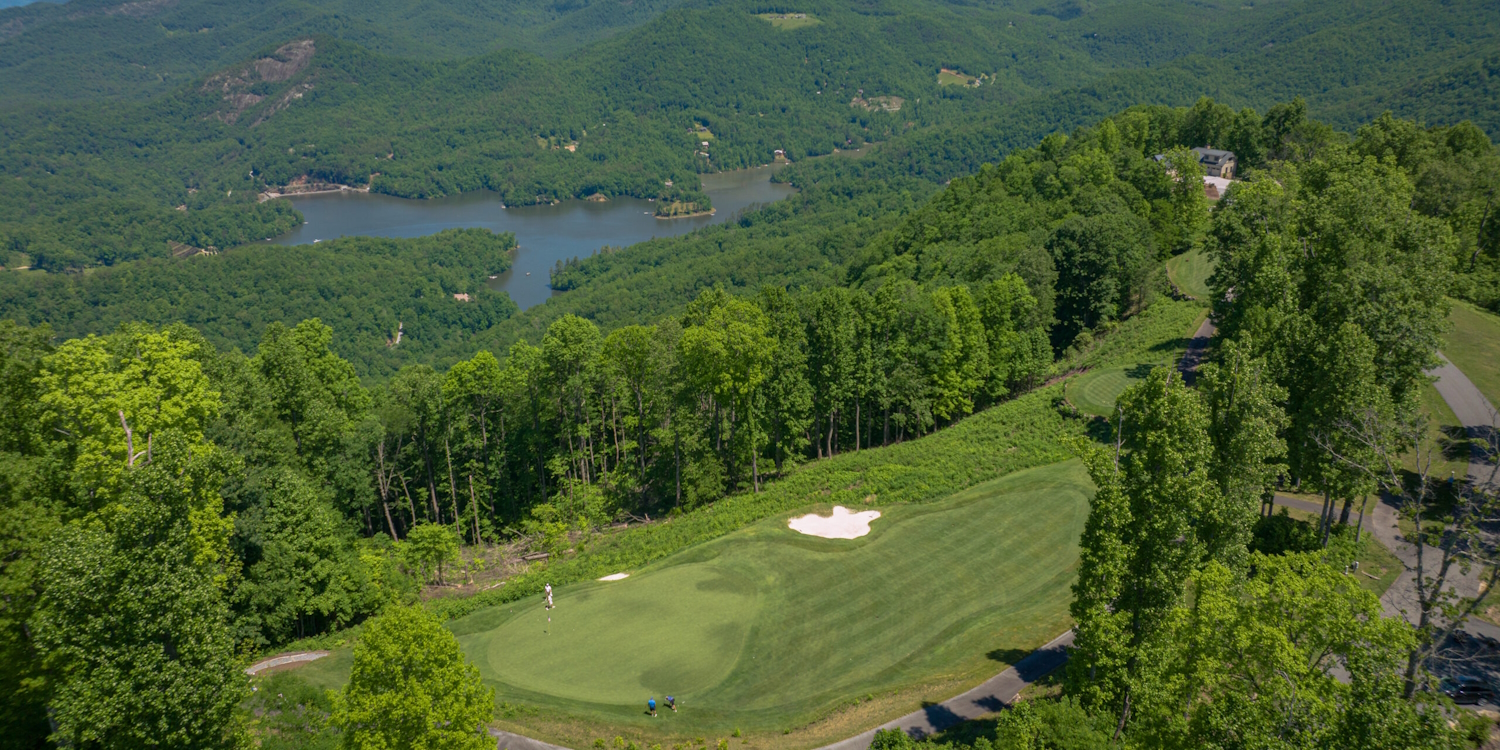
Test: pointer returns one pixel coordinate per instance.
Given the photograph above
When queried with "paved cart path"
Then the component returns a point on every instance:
(283, 660)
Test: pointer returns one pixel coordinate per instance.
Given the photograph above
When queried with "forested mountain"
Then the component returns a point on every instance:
(627, 114)
(106, 48)
(854, 221)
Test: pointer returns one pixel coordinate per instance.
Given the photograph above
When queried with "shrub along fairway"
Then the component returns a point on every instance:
(767, 630)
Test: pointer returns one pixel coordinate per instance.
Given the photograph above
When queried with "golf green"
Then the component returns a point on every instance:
(679, 629)
(767, 626)
(1096, 391)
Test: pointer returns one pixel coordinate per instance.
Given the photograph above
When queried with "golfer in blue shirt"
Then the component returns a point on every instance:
(651, 705)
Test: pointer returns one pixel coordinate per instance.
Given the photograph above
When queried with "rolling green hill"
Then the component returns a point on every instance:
(112, 49)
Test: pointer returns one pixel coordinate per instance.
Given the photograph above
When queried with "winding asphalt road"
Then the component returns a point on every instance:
(1480, 421)
(1474, 411)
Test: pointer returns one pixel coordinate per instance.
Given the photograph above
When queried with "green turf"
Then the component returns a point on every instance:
(1095, 391)
(679, 630)
(1446, 433)
(1155, 338)
(767, 629)
(1474, 346)
(1190, 272)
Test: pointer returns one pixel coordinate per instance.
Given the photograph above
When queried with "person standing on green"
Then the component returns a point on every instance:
(651, 706)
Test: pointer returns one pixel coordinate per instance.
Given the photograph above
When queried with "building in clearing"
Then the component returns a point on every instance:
(1216, 163)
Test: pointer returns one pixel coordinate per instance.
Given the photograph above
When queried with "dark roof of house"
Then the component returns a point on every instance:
(1213, 155)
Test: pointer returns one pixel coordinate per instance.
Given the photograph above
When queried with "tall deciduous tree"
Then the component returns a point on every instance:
(131, 625)
(1295, 656)
(411, 688)
(1244, 424)
(430, 546)
(308, 576)
(1142, 538)
(727, 355)
(29, 515)
(1189, 203)
(1103, 264)
(318, 396)
(104, 400)
(788, 395)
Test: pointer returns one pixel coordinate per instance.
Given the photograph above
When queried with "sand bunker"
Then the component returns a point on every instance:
(843, 524)
(615, 577)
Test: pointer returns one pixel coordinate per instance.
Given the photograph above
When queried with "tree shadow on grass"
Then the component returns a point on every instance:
(1455, 443)
(1171, 345)
(1010, 656)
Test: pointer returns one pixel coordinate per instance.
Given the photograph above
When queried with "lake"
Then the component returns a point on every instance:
(546, 234)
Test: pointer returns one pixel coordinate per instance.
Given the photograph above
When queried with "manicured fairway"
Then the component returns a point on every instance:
(678, 630)
(954, 78)
(767, 629)
(1190, 272)
(768, 624)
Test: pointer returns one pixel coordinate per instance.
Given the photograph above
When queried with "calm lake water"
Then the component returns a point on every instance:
(546, 234)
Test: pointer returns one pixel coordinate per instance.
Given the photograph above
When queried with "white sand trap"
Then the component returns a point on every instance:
(615, 577)
(843, 524)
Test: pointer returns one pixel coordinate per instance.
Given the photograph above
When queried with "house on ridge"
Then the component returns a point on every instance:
(1216, 162)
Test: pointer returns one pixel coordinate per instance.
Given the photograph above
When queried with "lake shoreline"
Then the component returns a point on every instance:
(546, 233)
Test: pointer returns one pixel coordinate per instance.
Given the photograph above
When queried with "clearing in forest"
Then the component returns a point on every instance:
(767, 629)
(881, 103)
(950, 77)
(789, 21)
